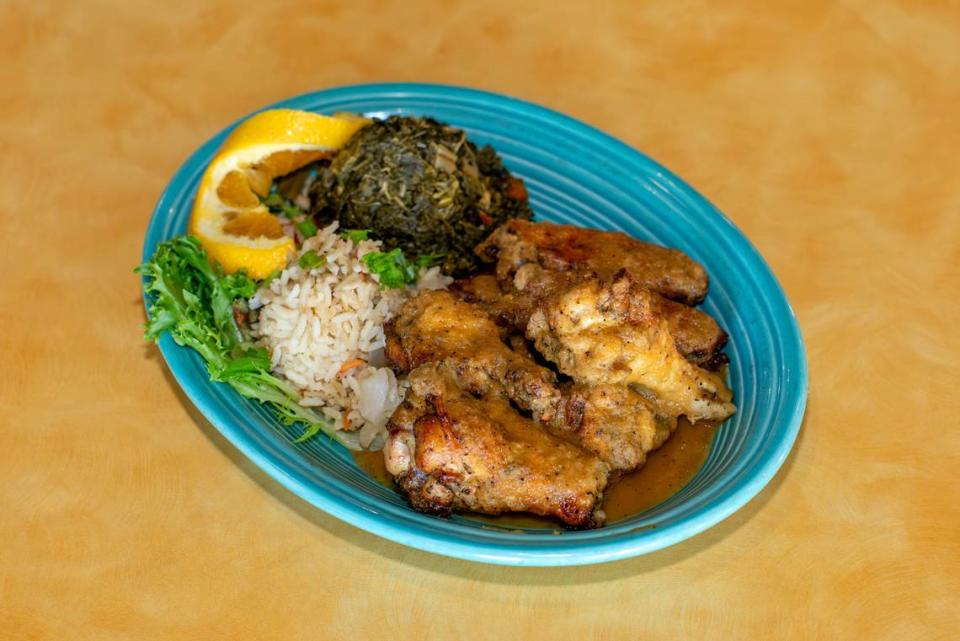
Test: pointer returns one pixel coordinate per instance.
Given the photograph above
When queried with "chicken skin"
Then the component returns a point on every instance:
(559, 248)
(538, 260)
(610, 332)
(436, 326)
(488, 427)
(618, 425)
(449, 450)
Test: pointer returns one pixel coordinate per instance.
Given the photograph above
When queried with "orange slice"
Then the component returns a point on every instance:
(235, 229)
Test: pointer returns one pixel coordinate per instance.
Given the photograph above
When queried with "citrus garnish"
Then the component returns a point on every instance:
(233, 225)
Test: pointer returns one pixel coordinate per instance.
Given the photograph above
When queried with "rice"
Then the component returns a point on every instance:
(317, 322)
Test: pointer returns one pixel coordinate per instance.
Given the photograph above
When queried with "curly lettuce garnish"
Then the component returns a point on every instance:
(194, 302)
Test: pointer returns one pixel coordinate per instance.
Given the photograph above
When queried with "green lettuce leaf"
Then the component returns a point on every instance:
(193, 302)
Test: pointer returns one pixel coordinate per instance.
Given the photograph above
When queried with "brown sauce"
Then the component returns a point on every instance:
(372, 463)
(666, 471)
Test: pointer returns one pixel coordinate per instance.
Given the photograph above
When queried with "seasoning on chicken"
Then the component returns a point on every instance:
(668, 272)
(436, 326)
(614, 422)
(463, 440)
(617, 424)
(538, 260)
(611, 332)
(449, 450)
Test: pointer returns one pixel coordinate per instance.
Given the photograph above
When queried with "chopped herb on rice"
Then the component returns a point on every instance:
(327, 309)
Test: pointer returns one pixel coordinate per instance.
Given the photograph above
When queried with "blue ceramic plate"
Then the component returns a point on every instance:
(575, 174)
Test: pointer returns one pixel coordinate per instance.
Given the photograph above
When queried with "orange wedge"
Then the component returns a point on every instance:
(235, 229)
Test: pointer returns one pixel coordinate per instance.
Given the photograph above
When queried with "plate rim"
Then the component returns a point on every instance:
(500, 553)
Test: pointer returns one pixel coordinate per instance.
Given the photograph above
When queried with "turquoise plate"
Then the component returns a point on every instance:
(575, 174)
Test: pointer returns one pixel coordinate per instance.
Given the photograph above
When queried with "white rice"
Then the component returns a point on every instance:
(313, 321)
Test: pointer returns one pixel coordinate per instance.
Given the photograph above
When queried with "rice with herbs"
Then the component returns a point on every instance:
(323, 327)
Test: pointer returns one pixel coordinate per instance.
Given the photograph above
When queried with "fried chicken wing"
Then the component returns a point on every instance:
(436, 326)
(488, 425)
(564, 248)
(618, 425)
(449, 450)
(538, 260)
(610, 332)
(698, 336)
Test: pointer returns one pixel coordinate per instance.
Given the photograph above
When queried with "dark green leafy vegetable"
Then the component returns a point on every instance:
(238, 285)
(310, 259)
(194, 303)
(420, 186)
(428, 260)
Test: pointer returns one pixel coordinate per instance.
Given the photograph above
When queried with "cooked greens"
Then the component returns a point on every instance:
(420, 186)
(194, 303)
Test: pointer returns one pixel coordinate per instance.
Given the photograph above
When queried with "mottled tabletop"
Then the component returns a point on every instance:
(827, 131)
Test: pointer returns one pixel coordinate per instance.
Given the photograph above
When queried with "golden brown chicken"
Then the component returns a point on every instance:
(537, 260)
(436, 326)
(449, 450)
(610, 332)
(614, 422)
(617, 424)
(567, 248)
(487, 428)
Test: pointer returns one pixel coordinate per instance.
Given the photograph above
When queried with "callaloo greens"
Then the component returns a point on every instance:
(420, 186)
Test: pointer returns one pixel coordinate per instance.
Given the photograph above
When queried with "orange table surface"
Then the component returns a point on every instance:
(827, 131)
